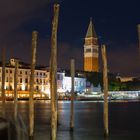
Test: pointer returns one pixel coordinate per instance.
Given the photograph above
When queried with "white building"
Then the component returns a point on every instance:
(64, 83)
(79, 84)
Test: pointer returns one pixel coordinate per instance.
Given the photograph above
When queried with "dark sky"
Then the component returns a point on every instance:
(115, 23)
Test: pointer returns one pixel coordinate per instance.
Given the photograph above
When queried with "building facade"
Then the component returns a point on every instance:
(23, 85)
(64, 83)
(41, 81)
(79, 84)
(91, 50)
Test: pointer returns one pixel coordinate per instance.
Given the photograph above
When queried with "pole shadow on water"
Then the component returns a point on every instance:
(106, 138)
(18, 129)
(11, 129)
(71, 135)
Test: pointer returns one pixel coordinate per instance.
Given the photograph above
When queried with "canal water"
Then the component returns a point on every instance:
(124, 120)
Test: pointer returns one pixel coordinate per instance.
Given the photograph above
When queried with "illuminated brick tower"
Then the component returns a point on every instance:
(91, 50)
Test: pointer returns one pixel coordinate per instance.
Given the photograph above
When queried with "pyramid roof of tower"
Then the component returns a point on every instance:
(91, 31)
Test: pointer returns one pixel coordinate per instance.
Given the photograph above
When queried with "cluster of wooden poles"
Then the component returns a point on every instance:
(53, 83)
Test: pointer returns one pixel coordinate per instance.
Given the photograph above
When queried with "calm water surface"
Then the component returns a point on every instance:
(124, 120)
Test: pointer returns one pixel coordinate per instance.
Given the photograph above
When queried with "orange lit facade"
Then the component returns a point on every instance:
(41, 81)
(91, 51)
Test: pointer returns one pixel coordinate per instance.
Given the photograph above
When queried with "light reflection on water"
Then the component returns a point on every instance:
(124, 119)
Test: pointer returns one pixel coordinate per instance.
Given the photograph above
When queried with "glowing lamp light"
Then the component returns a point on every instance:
(23, 87)
(60, 90)
(42, 89)
(47, 91)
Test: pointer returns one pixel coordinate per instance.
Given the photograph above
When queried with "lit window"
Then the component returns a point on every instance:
(88, 50)
(7, 87)
(26, 80)
(76, 82)
(37, 88)
(11, 79)
(10, 71)
(26, 88)
(95, 50)
(6, 79)
(10, 87)
(6, 71)
(20, 88)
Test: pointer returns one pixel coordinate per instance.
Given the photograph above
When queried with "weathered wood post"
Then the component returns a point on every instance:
(16, 101)
(72, 95)
(15, 90)
(53, 73)
(3, 83)
(105, 89)
(138, 28)
(31, 99)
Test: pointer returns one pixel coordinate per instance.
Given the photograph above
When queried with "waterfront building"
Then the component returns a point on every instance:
(93, 89)
(79, 84)
(23, 85)
(91, 50)
(64, 83)
(126, 79)
(41, 80)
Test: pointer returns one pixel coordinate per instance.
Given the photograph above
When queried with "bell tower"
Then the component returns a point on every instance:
(91, 50)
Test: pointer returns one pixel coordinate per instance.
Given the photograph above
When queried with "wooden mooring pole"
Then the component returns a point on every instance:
(16, 101)
(72, 95)
(138, 28)
(105, 90)
(3, 83)
(53, 73)
(31, 98)
(15, 90)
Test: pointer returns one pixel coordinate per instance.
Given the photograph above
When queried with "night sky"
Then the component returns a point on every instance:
(115, 23)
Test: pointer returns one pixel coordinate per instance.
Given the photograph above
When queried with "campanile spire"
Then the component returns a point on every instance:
(91, 50)
(91, 31)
